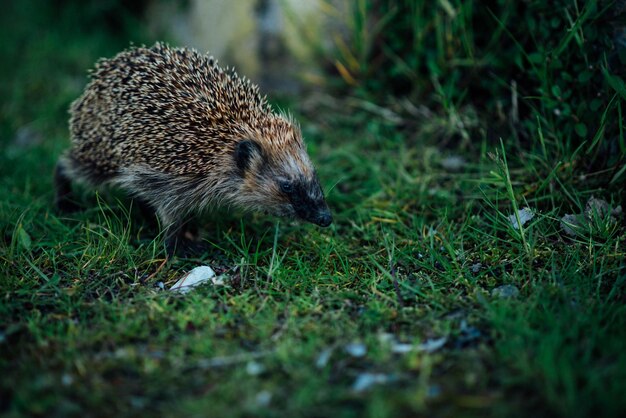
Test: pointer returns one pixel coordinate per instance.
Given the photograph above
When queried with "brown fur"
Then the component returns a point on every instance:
(166, 125)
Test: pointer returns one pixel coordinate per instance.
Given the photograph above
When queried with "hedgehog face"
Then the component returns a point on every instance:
(282, 182)
(305, 199)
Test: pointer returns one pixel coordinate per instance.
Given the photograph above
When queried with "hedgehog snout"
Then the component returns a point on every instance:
(324, 218)
(316, 212)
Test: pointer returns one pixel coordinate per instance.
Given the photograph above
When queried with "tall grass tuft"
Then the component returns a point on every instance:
(524, 67)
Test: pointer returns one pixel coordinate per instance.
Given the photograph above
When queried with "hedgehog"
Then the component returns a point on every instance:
(181, 134)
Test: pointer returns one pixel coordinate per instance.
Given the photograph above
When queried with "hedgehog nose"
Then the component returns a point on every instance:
(324, 218)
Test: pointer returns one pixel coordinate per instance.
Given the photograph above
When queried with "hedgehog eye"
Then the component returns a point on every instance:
(286, 187)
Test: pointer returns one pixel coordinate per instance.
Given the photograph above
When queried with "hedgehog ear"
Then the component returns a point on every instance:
(245, 152)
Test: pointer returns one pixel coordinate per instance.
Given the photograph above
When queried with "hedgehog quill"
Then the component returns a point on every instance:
(181, 134)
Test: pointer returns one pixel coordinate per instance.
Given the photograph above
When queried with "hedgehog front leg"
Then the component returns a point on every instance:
(175, 234)
(180, 239)
(172, 238)
(179, 236)
(63, 189)
(171, 227)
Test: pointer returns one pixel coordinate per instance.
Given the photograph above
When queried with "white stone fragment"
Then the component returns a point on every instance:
(525, 215)
(194, 278)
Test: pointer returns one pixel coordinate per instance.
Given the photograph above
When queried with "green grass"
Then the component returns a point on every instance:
(415, 252)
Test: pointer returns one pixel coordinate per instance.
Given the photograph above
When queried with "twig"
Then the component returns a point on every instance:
(157, 270)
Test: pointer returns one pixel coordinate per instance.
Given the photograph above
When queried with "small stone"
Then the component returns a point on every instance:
(254, 368)
(402, 348)
(476, 267)
(469, 336)
(263, 398)
(433, 344)
(67, 379)
(569, 224)
(364, 381)
(356, 349)
(596, 208)
(323, 358)
(525, 215)
(453, 163)
(506, 291)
